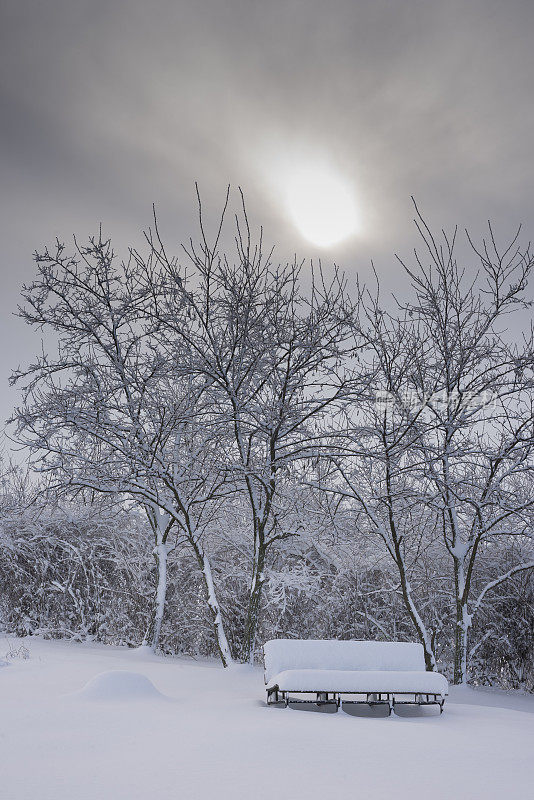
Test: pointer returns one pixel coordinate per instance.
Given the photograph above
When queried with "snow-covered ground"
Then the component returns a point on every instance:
(175, 728)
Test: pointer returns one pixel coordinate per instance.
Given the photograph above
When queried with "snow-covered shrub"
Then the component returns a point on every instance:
(503, 637)
(87, 572)
(80, 573)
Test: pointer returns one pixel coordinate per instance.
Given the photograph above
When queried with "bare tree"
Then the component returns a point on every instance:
(475, 380)
(442, 449)
(374, 464)
(271, 359)
(104, 414)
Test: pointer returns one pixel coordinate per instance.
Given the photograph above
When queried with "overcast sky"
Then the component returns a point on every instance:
(110, 105)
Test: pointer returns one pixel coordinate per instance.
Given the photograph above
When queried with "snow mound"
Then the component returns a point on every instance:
(3, 663)
(120, 685)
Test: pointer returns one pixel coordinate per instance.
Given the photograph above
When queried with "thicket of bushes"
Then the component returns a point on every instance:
(87, 573)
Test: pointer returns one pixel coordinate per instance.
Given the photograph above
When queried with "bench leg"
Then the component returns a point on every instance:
(275, 696)
(420, 700)
(324, 700)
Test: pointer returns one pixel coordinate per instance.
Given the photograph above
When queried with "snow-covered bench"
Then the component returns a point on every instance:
(388, 673)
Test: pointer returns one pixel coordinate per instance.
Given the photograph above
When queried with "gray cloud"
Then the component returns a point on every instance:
(109, 106)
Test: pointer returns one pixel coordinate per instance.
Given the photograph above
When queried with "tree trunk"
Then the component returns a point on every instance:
(422, 633)
(460, 643)
(419, 625)
(253, 611)
(463, 622)
(153, 633)
(215, 610)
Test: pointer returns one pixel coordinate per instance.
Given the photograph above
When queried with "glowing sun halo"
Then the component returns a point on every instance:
(323, 208)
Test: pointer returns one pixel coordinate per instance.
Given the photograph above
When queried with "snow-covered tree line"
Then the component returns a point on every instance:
(234, 449)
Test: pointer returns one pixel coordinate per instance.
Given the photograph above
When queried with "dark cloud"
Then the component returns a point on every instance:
(109, 106)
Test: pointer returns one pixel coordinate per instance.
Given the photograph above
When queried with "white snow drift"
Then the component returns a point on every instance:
(120, 685)
(222, 741)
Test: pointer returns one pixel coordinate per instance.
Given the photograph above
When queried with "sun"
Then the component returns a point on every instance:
(323, 207)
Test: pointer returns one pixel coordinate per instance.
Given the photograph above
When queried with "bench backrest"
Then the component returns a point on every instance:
(284, 654)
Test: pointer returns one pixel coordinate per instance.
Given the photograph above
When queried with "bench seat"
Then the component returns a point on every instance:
(327, 670)
(359, 681)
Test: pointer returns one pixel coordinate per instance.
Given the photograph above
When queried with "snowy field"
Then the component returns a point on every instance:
(206, 733)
